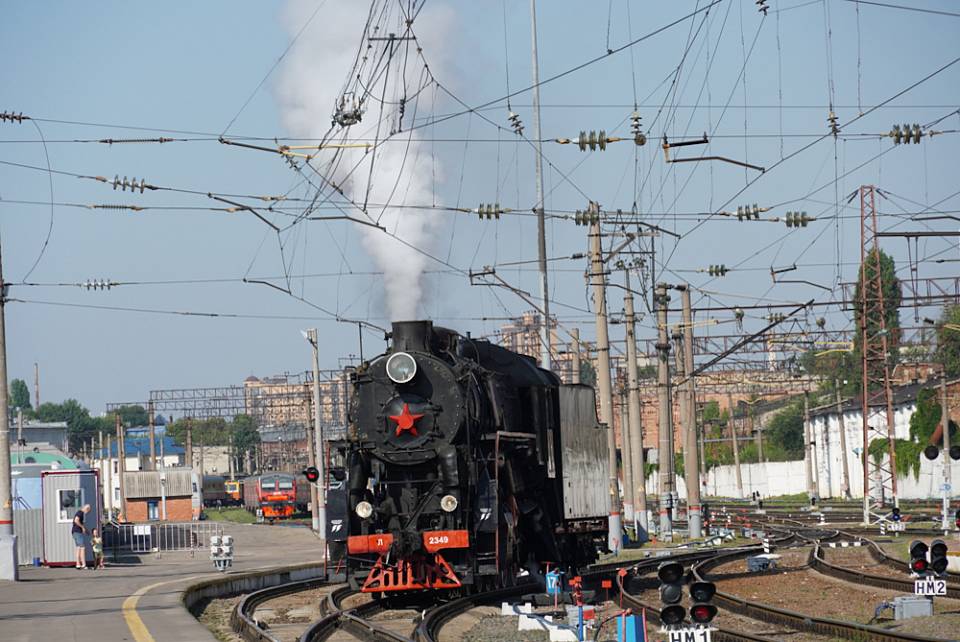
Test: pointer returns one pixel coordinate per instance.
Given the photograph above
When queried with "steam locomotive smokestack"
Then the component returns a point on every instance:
(412, 336)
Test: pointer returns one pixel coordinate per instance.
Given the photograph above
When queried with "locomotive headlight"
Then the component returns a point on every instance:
(364, 510)
(401, 367)
(449, 503)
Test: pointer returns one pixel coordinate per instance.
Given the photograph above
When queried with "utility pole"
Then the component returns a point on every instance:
(189, 442)
(700, 438)
(665, 427)
(153, 437)
(603, 381)
(626, 459)
(575, 350)
(36, 386)
(808, 448)
(319, 499)
(8, 540)
(755, 430)
(541, 225)
(635, 418)
(691, 467)
(843, 442)
(121, 467)
(19, 435)
(736, 446)
(945, 422)
(106, 461)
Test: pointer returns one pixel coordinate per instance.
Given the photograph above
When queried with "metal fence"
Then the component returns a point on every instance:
(160, 537)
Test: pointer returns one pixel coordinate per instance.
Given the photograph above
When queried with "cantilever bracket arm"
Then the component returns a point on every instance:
(667, 145)
(750, 339)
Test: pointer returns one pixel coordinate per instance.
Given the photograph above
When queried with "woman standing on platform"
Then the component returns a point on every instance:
(79, 532)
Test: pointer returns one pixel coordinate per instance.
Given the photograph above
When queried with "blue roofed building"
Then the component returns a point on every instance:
(137, 457)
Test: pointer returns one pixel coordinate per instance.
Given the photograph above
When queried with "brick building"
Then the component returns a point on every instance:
(160, 495)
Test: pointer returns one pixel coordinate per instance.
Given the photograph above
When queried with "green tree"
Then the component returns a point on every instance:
(839, 366)
(132, 415)
(245, 434)
(20, 395)
(785, 431)
(948, 340)
(80, 425)
(588, 375)
(892, 296)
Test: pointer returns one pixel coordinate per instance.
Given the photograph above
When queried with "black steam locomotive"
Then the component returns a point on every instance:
(466, 463)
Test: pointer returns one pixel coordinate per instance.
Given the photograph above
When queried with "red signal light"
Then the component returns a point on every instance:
(702, 613)
(312, 474)
(918, 566)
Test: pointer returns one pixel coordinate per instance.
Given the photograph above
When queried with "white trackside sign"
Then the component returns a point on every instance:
(930, 587)
(689, 635)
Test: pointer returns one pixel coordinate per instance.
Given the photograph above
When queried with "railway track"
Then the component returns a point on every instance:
(805, 622)
(357, 621)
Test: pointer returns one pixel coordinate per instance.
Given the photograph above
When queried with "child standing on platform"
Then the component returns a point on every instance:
(97, 543)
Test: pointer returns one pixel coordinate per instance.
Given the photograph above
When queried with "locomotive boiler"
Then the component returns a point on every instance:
(466, 463)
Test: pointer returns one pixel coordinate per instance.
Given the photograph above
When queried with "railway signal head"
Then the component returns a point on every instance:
(671, 578)
(918, 557)
(895, 514)
(702, 611)
(938, 557)
(312, 474)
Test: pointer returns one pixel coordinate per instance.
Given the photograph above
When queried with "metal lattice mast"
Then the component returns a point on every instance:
(875, 364)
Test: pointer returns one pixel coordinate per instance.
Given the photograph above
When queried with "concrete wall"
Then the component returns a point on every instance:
(247, 583)
(789, 477)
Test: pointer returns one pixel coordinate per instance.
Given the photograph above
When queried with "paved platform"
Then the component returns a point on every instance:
(139, 598)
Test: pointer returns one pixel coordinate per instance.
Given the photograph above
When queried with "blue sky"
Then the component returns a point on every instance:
(190, 68)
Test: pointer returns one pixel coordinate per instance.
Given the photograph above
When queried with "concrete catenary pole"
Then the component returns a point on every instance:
(604, 388)
(121, 466)
(8, 541)
(312, 461)
(575, 351)
(36, 386)
(845, 481)
(736, 446)
(665, 407)
(153, 437)
(680, 374)
(189, 440)
(641, 524)
(545, 338)
(945, 422)
(626, 458)
(319, 497)
(106, 466)
(691, 465)
(808, 448)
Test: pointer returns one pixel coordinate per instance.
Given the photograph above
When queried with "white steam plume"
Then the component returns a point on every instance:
(310, 82)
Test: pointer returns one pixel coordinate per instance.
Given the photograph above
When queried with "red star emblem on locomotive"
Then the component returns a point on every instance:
(406, 420)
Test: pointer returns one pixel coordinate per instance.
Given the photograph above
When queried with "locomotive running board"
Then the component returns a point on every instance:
(419, 573)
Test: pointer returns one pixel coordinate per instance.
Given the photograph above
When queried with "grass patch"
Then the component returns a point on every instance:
(233, 515)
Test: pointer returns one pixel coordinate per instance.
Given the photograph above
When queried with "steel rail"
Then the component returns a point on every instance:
(799, 621)
(242, 619)
(335, 617)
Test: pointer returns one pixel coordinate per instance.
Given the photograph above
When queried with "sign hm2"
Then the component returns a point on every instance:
(930, 587)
